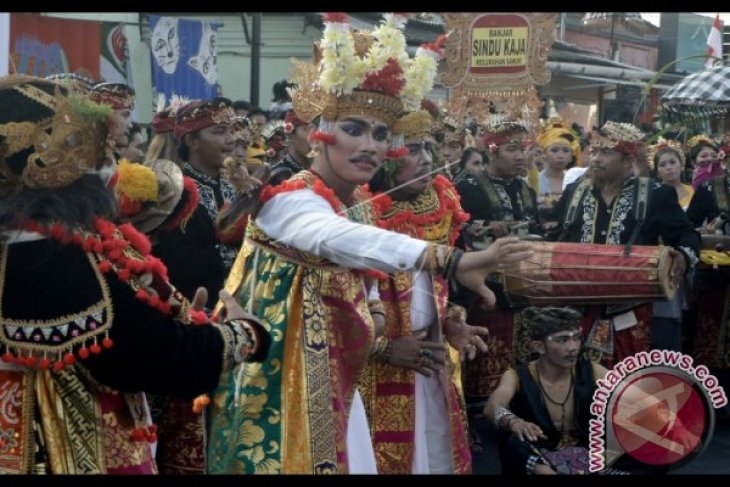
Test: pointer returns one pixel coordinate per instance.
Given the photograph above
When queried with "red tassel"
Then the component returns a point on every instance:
(198, 317)
(397, 153)
(20, 360)
(69, 358)
(328, 139)
(138, 434)
(107, 343)
(30, 361)
(95, 349)
(84, 353)
(8, 358)
(58, 366)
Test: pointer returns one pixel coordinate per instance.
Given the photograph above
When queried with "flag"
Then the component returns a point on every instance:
(184, 57)
(714, 43)
(42, 45)
(4, 43)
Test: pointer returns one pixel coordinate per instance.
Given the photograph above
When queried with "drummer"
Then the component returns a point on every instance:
(709, 211)
(603, 209)
(500, 203)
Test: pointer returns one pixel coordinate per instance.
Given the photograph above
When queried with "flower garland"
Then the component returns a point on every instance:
(341, 69)
(421, 74)
(410, 222)
(389, 44)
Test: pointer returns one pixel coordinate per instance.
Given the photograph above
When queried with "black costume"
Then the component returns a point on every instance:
(193, 253)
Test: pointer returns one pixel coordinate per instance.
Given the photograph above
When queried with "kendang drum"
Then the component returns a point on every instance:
(581, 274)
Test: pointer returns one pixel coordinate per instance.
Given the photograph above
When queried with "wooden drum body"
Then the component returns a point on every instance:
(581, 274)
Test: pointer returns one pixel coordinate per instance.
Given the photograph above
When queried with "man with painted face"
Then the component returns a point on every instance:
(614, 207)
(194, 252)
(420, 378)
(306, 267)
(296, 158)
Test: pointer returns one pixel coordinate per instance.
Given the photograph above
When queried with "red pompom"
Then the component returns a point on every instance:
(31, 361)
(8, 358)
(138, 239)
(105, 266)
(107, 343)
(84, 353)
(397, 153)
(152, 429)
(20, 360)
(138, 434)
(124, 275)
(151, 438)
(44, 363)
(69, 358)
(58, 366)
(95, 348)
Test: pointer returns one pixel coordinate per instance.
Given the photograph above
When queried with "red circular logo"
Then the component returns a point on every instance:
(659, 418)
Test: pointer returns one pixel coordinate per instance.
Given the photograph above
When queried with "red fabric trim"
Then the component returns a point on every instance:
(328, 139)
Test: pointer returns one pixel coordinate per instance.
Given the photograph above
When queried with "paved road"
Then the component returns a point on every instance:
(715, 460)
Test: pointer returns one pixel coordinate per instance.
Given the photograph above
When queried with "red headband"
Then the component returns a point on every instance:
(116, 95)
(202, 114)
(162, 122)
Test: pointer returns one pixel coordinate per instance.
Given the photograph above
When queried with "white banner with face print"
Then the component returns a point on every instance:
(4, 43)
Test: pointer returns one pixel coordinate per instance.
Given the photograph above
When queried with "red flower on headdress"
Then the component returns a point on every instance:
(339, 17)
(388, 80)
(438, 45)
(493, 148)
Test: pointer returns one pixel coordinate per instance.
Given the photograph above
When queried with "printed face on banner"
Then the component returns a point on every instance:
(205, 61)
(165, 44)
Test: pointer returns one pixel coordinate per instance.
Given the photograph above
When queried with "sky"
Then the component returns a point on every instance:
(653, 17)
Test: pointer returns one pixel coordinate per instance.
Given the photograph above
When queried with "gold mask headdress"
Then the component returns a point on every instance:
(48, 139)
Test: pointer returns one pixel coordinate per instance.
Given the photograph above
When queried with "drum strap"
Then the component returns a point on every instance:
(492, 196)
(641, 203)
(719, 188)
(571, 215)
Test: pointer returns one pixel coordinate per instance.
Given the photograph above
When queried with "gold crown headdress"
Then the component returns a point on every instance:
(412, 127)
(661, 145)
(700, 139)
(356, 73)
(622, 137)
(65, 145)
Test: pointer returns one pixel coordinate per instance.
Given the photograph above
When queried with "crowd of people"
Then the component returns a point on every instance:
(314, 288)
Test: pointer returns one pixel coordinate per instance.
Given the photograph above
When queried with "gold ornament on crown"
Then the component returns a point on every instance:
(700, 139)
(614, 133)
(414, 126)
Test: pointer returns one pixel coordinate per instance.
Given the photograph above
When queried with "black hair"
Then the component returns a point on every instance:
(183, 151)
(77, 204)
(466, 155)
(546, 321)
(258, 110)
(242, 105)
(280, 92)
(135, 129)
